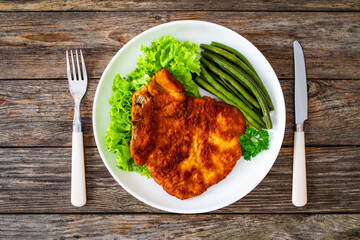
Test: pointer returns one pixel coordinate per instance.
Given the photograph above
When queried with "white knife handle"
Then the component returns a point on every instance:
(78, 185)
(299, 189)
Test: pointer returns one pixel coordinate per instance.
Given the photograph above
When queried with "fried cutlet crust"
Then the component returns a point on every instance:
(187, 143)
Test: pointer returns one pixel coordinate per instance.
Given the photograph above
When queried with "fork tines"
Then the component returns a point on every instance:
(73, 76)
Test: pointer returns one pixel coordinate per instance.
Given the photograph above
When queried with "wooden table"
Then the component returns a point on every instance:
(36, 112)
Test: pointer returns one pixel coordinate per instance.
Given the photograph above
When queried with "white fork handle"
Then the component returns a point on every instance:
(299, 189)
(78, 184)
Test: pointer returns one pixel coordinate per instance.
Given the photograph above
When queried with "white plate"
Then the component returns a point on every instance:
(246, 175)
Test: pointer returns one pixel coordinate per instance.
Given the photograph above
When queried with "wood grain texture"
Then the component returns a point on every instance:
(36, 112)
(37, 180)
(263, 226)
(40, 113)
(138, 5)
(33, 44)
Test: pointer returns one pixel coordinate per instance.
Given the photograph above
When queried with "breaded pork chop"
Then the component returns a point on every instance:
(187, 143)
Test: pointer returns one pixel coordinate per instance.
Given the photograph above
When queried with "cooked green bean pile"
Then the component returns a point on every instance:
(227, 74)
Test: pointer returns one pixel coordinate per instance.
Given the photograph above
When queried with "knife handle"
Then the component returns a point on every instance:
(299, 189)
(78, 184)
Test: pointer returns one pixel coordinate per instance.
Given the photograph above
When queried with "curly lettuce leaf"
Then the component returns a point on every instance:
(179, 58)
(118, 134)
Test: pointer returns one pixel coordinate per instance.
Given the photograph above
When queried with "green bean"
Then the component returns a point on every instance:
(233, 90)
(231, 96)
(239, 55)
(241, 97)
(236, 92)
(250, 121)
(232, 57)
(221, 81)
(268, 101)
(265, 94)
(249, 125)
(234, 69)
(231, 81)
(233, 76)
(232, 54)
(257, 83)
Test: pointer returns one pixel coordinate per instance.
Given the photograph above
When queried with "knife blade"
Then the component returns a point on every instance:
(299, 187)
(300, 85)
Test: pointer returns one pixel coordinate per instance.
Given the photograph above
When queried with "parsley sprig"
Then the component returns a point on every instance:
(253, 142)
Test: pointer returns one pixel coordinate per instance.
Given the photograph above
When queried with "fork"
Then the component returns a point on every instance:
(78, 85)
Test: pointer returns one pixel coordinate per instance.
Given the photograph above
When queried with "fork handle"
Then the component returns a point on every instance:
(78, 184)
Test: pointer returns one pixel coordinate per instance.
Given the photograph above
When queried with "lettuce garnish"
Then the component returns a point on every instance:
(180, 59)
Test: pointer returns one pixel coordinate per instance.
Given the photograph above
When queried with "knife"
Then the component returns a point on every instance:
(299, 188)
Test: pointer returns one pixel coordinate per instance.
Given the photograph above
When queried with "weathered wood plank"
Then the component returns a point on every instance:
(32, 44)
(37, 180)
(108, 5)
(263, 226)
(40, 113)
